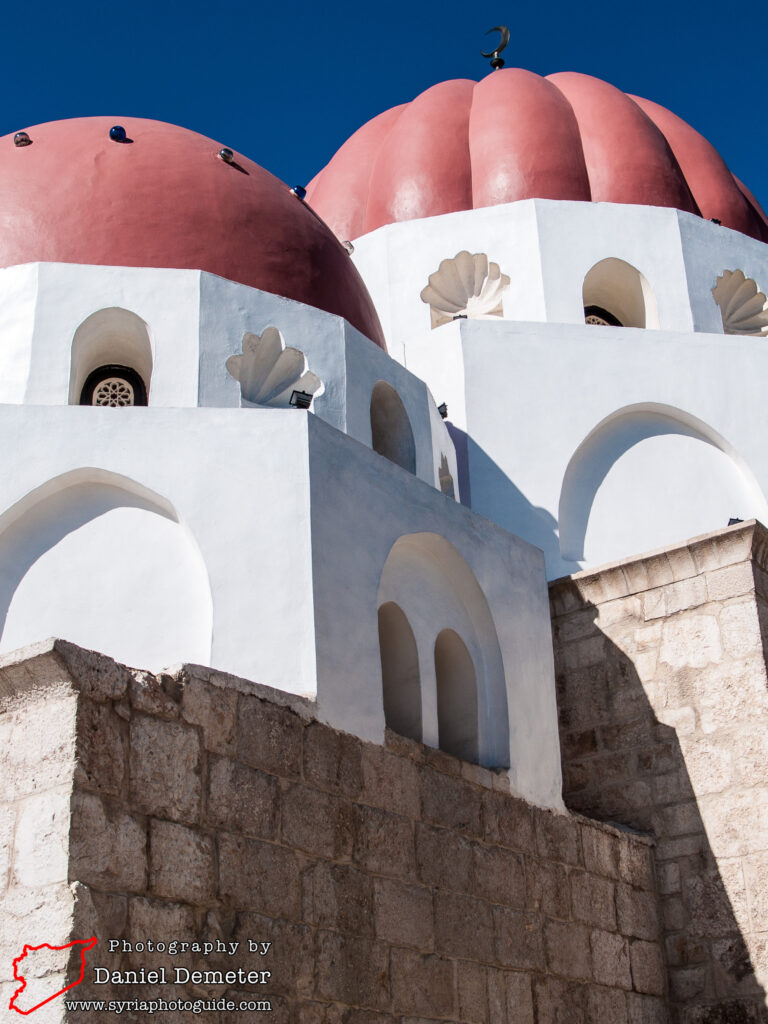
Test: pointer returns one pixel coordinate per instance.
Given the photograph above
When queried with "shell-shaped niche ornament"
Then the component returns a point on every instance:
(466, 286)
(269, 372)
(744, 308)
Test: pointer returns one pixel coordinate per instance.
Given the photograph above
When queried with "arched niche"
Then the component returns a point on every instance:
(436, 590)
(113, 339)
(616, 288)
(648, 476)
(399, 671)
(96, 558)
(391, 433)
(456, 696)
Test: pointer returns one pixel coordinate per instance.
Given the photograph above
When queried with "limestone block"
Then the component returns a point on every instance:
(165, 768)
(613, 612)
(259, 876)
(737, 693)
(669, 877)
(736, 822)
(510, 1000)
(740, 629)
(557, 837)
(48, 911)
(548, 888)
(685, 983)
(404, 914)
(318, 1013)
(353, 970)
(730, 581)
(647, 1009)
(390, 781)
(560, 1002)
(148, 696)
(384, 844)
(242, 799)
(717, 901)
(637, 912)
(163, 922)
(568, 950)
(601, 852)
(443, 858)
(691, 641)
(7, 823)
(593, 900)
(648, 974)
(463, 923)
(689, 593)
(41, 839)
(98, 677)
(508, 822)
(318, 822)
(681, 563)
(291, 958)
(610, 959)
(37, 750)
(181, 863)
(339, 897)
(98, 913)
(756, 878)
(333, 760)
(102, 739)
(422, 984)
(674, 914)
(472, 992)
(107, 845)
(269, 737)
(606, 1006)
(451, 802)
(498, 875)
(519, 939)
(214, 709)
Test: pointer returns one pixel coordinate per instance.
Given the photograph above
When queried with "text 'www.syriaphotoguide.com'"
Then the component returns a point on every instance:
(164, 1005)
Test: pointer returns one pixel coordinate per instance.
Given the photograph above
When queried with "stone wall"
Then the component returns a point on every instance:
(393, 883)
(663, 703)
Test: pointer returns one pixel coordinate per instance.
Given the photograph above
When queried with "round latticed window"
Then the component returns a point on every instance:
(601, 317)
(113, 386)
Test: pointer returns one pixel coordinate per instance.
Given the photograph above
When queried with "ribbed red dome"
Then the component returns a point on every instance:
(165, 199)
(515, 135)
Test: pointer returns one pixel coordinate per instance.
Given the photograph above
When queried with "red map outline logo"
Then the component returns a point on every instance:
(85, 943)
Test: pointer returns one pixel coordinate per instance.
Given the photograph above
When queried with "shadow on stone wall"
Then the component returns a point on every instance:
(623, 766)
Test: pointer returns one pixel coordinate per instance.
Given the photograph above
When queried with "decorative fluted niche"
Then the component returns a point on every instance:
(744, 308)
(466, 286)
(268, 372)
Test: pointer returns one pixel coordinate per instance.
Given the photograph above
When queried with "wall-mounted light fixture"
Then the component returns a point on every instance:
(443, 410)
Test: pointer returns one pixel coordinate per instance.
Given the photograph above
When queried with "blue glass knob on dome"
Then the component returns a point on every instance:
(21, 139)
(117, 133)
(299, 191)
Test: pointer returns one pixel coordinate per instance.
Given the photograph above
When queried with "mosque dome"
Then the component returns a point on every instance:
(515, 135)
(164, 198)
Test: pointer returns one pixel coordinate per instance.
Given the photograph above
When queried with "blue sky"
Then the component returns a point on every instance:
(287, 83)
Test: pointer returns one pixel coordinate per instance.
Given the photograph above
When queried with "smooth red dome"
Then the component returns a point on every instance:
(515, 135)
(165, 199)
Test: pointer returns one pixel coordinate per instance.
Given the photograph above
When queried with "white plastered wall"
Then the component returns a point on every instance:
(534, 392)
(236, 483)
(355, 524)
(194, 322)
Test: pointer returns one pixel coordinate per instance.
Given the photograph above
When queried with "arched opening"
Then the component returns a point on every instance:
(391, 434)
(111, 360)
(616, 294)
(399, 672)
(648, 476)
(438, 593)
(97, 559)
(456, 696)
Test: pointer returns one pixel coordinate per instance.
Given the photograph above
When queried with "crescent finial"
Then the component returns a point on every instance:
(493, 56)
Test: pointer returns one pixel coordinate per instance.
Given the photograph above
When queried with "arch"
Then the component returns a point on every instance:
(110, 338)
(399, 671)
(105, 562)
(616, 288)
(391, 433)
(456, 696)
(436, 590)
(640, 512)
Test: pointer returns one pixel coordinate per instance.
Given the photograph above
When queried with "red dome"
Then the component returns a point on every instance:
(515, 135)
(165, 199)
